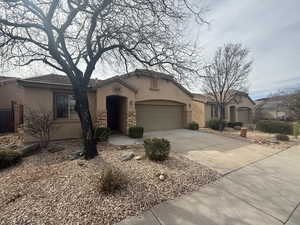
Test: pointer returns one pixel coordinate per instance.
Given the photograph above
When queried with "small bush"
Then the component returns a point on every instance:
(136, 132)
(215, 124)
(194, 126)
(273, 126)
(102, 134)
(282, 137)
(296, 129)
(112, 179)
(157, 149)
(9, 158)
(234, 124)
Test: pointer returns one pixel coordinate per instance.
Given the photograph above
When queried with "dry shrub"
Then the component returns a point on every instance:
(112, 179)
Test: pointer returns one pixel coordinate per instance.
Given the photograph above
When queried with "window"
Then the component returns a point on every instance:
(154, 83)
(65, 106)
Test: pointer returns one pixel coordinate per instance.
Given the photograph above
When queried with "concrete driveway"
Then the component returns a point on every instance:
(220, 153)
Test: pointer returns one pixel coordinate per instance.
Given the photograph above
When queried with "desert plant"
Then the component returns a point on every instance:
(102, 133)
(136, 132)
(39, 124)
(9, 158)
(273, 126)
(215, 124)
(194, 126)
(157, 149)
(112, 179)
(282, 137)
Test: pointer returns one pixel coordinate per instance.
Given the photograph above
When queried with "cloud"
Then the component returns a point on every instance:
(270, 29)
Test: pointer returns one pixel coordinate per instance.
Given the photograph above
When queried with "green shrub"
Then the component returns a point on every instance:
(296, 129)
(215, 124)
(102, 134)
(157, 149)
(136, 132)
(194, 126)
(9, 158)
(112, 179)
(273, 126)
(234, 124)
(282, 137)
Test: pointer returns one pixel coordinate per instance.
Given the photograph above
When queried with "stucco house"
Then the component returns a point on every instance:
(145, 98)
(240, 108)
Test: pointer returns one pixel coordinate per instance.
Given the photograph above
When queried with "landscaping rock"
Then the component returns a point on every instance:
(29, 149)
(138, 157)
(76, 155)
(162, 177)
(55, 148)
(81, 163)
(127, 156)
(237, 128)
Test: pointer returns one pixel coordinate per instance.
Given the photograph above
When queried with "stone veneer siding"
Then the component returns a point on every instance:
(131, 119)
(102, 119)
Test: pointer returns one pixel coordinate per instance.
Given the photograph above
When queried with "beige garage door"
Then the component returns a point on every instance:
(244, 115)
(159, 117)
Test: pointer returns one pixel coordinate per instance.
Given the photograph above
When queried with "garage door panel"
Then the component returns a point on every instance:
(159, 117)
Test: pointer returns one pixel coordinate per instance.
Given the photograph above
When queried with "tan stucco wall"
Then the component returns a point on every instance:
(37, 98)
(198, 113)
(10, 92)
(166, 91)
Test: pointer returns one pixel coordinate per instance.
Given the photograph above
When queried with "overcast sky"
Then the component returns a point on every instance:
(269, 28)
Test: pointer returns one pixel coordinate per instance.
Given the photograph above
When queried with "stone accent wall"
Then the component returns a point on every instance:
(131, 119)
(102, 119)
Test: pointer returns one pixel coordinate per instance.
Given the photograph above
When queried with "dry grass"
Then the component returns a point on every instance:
(47, 188)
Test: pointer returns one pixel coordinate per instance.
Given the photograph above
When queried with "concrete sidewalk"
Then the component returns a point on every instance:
(264, 193)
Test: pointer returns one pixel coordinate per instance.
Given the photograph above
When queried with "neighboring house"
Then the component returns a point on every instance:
(144, 98)
(272, 108)
(240, 108)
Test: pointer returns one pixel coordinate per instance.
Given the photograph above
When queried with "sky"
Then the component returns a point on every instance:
(270, 29)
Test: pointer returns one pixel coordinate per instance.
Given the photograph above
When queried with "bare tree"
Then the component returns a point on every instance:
(39, 124)
(226, 75)
(72, 36)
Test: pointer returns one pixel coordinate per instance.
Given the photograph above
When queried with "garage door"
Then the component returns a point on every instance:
(244, 115)
(159, 117)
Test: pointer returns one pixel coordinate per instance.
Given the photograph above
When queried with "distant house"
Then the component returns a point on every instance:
(272, 108)
(240, 108)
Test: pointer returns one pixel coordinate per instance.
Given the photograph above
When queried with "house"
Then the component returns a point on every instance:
(144, 98)
(240, 108)
(272, 108)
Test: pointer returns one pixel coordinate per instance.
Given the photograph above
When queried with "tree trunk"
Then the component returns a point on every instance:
(82, 108)
(222, 117)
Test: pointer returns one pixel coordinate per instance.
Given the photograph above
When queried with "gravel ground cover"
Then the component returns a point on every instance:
(257, 137)
(48, 188)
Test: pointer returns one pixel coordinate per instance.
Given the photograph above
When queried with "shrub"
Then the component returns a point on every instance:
(102, 134)
(273, 126)
(9, 158)
(215, 124)
(296, 129)
(194, 126)
(282, 137)
(136, 132)
(234, 124)
(112, 179)
(40, 124)
(157, 149)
